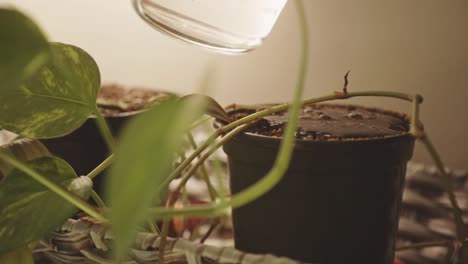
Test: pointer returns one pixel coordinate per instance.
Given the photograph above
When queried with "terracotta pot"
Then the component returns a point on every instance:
(337, 203)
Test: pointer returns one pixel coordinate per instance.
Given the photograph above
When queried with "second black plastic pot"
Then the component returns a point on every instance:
(84, 149)
(337, 203)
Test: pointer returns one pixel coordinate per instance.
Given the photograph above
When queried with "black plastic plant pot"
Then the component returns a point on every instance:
(337, 203)
(84, 149)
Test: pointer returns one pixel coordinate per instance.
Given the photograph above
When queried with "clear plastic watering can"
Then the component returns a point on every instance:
(231, 26)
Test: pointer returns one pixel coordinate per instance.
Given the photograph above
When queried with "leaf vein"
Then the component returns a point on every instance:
(54, 98)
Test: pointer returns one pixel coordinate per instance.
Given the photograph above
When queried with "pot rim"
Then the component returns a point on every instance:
(121, 114)
(134, 112)
(404, 116)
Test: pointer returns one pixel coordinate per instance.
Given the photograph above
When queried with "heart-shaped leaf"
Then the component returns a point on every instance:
(28, 209)
(143, 161)
(57, 99)
(23, 48)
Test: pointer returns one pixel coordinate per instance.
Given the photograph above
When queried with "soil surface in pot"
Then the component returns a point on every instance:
(115, 99)
(327, 122)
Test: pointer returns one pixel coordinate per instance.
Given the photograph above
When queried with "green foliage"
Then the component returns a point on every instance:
(21, 255)
(28, 209)
(57, 99)
(49, 90)
(23, 48)
(143, 160)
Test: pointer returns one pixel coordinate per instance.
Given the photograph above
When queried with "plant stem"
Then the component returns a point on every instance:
(152, 226)
(101, 167)
(415, 130)
(192, 156)
(200, 122)
(208, 233)
(275, 109)
(203, 171)
(212, 210)
(186, 162)
(335, 96)
(163, 241)
(447, 183)
(104, 129)
(54, 187)
(218, 171)
(174, 194)
(97, 199)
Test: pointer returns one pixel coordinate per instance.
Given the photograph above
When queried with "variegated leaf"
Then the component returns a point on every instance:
(57, 99)
(28, 209)
(23, 48)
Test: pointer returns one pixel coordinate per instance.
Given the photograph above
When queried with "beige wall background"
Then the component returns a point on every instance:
(416, 46)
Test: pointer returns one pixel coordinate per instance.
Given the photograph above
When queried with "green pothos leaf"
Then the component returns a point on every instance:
(143, 161)
(57, 99)
(28, 209)
(23, 48)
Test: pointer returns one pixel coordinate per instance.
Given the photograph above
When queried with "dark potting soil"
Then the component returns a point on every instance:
(325, 122)
(115, 99)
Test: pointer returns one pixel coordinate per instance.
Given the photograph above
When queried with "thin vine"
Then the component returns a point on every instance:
(104, 130)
